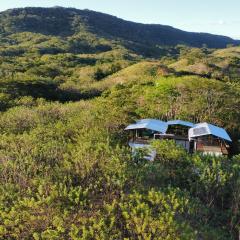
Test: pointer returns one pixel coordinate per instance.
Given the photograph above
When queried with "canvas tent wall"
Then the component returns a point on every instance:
(179, 130)
(209, 139)
(151, 124)
(144, 130)
(203, 129)
(180, 122)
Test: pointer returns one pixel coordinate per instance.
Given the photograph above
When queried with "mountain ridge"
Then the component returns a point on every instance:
(67, 22)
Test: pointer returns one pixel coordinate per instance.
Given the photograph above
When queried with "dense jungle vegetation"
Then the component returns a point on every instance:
(70, 81)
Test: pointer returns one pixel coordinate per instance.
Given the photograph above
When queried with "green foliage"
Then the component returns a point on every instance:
(63, 177)
(67, 92)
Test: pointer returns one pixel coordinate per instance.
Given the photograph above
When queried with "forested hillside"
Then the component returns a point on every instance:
(85, 31)
(70, 82)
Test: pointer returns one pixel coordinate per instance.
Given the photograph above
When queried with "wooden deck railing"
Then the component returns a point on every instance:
(202, 147)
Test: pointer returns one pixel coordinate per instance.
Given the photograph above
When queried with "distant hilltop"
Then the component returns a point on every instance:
(69, 21)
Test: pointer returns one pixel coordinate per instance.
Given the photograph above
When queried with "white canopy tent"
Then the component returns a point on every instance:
(152, 124)
(180, 122)
(202, 137)
(203, 129)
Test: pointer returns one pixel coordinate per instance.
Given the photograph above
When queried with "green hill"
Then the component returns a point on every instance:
(88, 31)
(70, 82)
(222, 64)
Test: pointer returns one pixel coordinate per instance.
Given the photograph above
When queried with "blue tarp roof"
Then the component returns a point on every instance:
(180, 122)
(152, 124)
(196, 130)
(202, 129)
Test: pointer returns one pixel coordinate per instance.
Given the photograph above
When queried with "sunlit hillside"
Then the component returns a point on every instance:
(70, 82)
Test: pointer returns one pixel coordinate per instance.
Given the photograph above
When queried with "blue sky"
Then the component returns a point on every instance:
(214, 16)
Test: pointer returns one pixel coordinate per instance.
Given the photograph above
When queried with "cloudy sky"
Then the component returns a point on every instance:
(213, 16)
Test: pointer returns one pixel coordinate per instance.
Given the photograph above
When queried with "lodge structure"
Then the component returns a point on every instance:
(143, 131)
(210, 139)
(202, 137)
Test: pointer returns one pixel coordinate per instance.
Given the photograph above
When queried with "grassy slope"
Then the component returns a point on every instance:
(65, 170)
(71, 23)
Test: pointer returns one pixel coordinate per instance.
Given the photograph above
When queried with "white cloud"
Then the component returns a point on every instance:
(221, 22)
